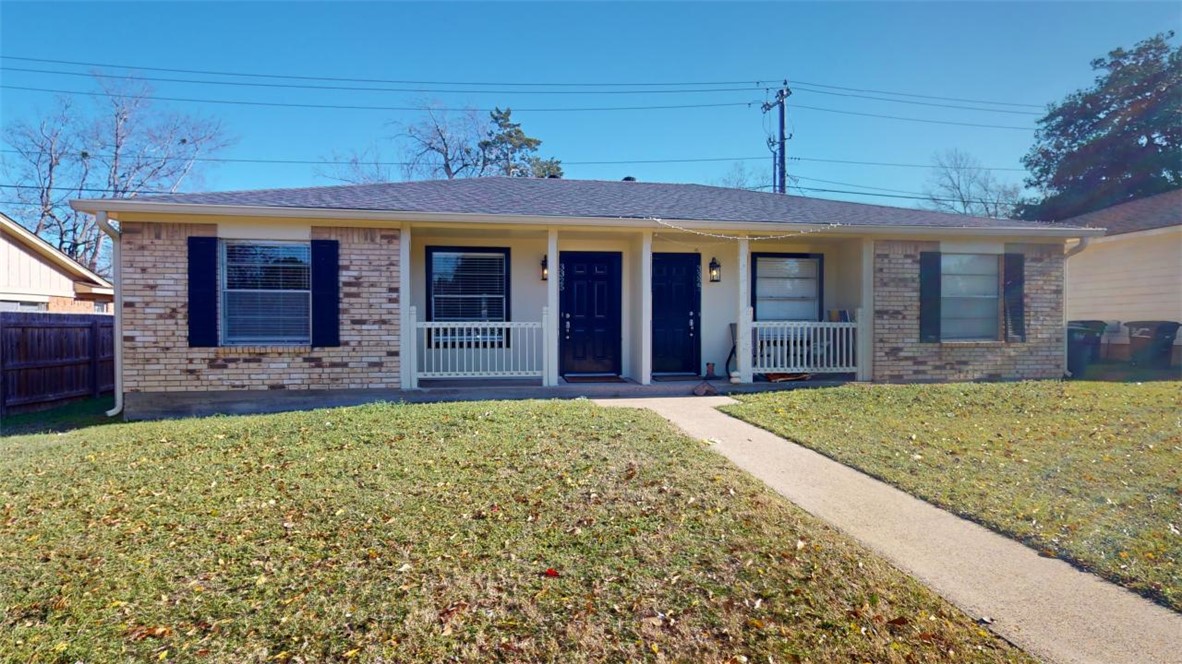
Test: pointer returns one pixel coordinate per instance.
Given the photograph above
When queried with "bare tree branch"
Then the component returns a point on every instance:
(121, 147)
(960, 185)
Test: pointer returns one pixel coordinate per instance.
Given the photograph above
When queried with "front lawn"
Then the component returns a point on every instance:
(526, 531)
(1091, 472)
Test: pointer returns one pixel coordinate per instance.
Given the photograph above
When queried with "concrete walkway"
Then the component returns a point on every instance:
(1045, 606)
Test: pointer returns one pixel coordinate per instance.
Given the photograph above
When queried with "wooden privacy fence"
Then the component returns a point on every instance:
(46, 358)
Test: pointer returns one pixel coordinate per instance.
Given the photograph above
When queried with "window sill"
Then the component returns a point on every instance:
(289, 349)
(970, 343)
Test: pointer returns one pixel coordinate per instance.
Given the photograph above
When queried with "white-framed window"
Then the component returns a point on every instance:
(468, 285)
(266, 293)
(786, 286)
(970, 297)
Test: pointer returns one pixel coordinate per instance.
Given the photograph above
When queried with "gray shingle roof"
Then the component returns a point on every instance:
(589, 198)
(1143, 214)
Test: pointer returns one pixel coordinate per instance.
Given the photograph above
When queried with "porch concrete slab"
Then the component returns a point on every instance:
(168, 405)
(1045, 606)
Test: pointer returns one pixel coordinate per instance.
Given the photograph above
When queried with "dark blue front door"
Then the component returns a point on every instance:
(677, 295)
(589, 312)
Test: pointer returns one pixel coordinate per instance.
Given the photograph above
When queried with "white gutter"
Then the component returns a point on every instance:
(100, 216)
(93, 206)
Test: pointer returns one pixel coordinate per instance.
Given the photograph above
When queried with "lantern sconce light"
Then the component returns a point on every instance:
(715, 271)
(545, 268)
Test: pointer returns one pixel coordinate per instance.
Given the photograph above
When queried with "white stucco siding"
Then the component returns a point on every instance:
(25, 276)
(1135, 276)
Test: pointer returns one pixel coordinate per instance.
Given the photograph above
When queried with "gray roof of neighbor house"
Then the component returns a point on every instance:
(1144, 214)
(554, 197)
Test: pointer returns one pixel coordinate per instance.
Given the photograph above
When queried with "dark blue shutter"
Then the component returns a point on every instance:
(1014, 295)
(326, 293)
(929, 297)
(203, 291)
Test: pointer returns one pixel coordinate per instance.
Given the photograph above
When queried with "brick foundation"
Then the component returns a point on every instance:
(69, 305)
(900, 357)
(156, 353)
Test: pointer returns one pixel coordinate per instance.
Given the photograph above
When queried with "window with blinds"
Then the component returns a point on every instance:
(786, 287)
(468, 285)
(266, 293)
(970, 297)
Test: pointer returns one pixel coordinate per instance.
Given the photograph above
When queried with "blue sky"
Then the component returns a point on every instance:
(1020, 53)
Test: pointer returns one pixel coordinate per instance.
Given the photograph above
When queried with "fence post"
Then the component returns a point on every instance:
(94, 359)
(863, 345)
(545, 347)
(3, 371)
(410, 350)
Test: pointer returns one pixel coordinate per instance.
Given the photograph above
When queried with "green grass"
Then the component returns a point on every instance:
(1090, 472)
(525, 531)
(82, 413)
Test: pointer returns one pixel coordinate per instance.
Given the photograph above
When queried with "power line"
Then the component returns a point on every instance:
(273, 104)
(916, 103)
(276, 104)
(895, 164)
(349, 88)
(307, 86)
(910, 119)
(691, 160)
(758, 83)
(368, 80)
(906, 94)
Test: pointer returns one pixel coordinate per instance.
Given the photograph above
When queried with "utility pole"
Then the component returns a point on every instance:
(780, 165)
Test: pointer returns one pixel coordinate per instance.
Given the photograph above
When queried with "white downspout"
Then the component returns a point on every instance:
(116, 278)
(1083, 244)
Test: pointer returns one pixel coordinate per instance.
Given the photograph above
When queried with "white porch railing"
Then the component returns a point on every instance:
(803, 347)
(478, 350)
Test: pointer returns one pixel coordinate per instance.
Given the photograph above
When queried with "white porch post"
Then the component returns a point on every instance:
(646, 308)
(743, 314)
(407, 334)
(550, 333)
(865, 341)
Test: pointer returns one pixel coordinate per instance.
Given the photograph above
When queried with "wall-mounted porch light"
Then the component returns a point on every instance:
(715, 271)
(545, 268)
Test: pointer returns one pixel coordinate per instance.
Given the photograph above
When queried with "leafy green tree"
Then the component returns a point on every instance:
(508, 151)
(1117, 141)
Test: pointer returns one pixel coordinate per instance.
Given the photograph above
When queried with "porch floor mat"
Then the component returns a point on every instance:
(676, 378)
(593, 379)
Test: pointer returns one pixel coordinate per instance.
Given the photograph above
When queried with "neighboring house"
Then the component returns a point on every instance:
(1133, 273)
(389, 287)
(34, 276)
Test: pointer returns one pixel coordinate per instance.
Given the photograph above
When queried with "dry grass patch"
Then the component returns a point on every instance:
(526, 531)
(1091, 472)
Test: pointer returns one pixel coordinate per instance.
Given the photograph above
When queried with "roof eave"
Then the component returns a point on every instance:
(51, 253)
(114, 207)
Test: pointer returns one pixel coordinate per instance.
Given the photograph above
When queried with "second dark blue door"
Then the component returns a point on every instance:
(677, 294)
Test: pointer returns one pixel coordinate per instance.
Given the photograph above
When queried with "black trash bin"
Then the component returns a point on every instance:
(1095, 334)
(1151, 342)
(1082, 341)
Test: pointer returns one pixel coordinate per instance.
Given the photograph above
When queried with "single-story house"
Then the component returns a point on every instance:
(393, 286)
(1133, 273)
(35, 276)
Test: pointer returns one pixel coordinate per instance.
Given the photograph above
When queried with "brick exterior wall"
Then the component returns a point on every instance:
(900, 357)
(156, 352)
(68, 305)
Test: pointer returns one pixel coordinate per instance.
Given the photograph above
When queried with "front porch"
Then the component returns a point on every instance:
(561, 307)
